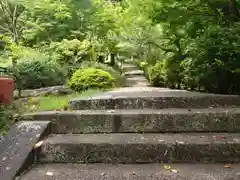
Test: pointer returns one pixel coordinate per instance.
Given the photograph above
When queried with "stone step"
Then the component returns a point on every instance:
(128, 67)
(17, 151)
(141, 148)
(133, 83)
(137, 80)
(134, 73)
(156, 98)
(128, 61)
(145, 120)
(133, 172)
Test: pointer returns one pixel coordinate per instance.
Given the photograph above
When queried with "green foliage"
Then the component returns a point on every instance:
(117, 77)
(105, 24)
(166, 72)
(51, 20)
(196, 42)
(189, 44)
(143, 65)
(40, 71)
(215, 68)
(84, 79)
(156, 75)
(9, 114)
(5, 119)
(11, 19)
(72, 51)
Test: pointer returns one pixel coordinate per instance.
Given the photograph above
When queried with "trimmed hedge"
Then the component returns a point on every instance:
(84, 79)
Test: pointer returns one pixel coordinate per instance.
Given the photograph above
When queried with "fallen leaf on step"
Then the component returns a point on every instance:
(39, 144)
(222, 137)
(165, 152)
(49, 174)
(174, 170)
(111, 111)
(227, 166)
(167, 167)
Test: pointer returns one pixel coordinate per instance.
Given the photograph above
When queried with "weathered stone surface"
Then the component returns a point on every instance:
(134, 76)
(156, 98)
(133, 172)
(181, 120)
(134, 72)
(129, 67)
(137, 81)
(54, 90)
(142, 148)
(106, 148)
(124, 110)
(145, 120)
(75, 122)
(209, 148)
(16, 148)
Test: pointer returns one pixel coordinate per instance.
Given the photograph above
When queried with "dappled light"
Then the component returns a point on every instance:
(119, 89)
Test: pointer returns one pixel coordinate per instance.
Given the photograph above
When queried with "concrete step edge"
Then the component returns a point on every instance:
(147, 111)
(133, 172)
(145, 120)
(142, 148)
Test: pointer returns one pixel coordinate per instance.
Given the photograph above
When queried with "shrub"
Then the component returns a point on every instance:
(72, 51)
(117, 77)
(4, 119)
(7, 118)
(38, 72)
(166, 72)
(84, 79)
(143, 65)
(156, 75)
(213, 63)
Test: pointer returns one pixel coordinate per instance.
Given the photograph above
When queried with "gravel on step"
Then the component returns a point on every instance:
(133, 172)
(142, 148)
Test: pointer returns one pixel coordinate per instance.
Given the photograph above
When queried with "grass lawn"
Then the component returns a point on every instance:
(48, 103)
(10, 115)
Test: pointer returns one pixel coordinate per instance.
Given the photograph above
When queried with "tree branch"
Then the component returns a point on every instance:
(4, 13)
(160, 47)
(147, 42)
(6, 9)
(5, 29)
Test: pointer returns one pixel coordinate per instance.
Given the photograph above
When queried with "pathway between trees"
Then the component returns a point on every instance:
(142, 133)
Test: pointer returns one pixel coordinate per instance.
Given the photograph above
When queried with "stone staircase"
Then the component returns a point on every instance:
(134, 76)
(141, 133)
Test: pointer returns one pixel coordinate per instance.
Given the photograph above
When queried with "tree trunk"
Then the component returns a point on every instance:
(14, 60)
(112, 59)
(101, 59)
(233, 9)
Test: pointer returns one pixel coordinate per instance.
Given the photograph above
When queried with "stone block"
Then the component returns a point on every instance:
(16, 149)
(142, 148)
(142, 121)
